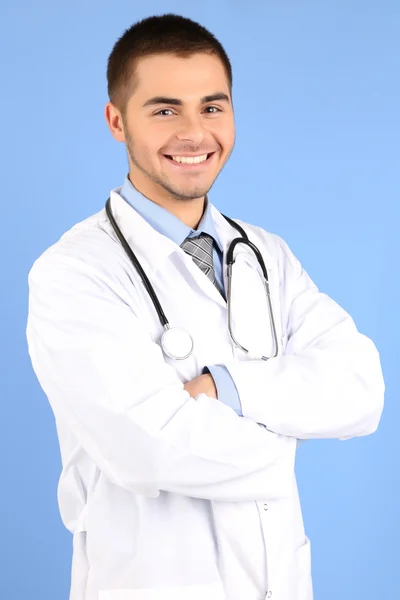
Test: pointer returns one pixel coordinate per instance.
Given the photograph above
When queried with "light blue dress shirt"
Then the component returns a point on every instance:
(167, 224)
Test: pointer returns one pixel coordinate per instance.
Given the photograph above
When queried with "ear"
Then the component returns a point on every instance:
(114, 121)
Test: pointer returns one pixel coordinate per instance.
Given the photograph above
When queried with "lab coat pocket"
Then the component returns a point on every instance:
(183, 592)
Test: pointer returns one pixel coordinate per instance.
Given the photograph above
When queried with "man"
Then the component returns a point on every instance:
(178, 475)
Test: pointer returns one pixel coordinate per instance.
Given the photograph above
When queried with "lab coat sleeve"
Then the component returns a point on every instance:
(107, 380)
(328, 383)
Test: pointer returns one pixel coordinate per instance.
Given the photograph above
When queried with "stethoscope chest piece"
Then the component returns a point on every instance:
(177, 343)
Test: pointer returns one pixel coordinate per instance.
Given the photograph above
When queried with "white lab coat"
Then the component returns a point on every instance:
(170, 497)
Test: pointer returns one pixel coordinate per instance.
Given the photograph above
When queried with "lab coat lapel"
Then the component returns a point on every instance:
(226, 233)
(151, 247)
(204, 284)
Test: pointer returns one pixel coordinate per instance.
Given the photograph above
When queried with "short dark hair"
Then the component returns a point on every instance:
(163, 34)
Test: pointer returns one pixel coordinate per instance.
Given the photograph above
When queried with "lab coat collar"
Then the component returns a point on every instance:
(153, 248)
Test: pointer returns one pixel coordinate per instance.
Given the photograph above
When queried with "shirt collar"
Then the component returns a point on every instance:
(165, 222)
(154, 249)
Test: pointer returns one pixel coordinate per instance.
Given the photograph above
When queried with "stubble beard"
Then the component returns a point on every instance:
(173, 191)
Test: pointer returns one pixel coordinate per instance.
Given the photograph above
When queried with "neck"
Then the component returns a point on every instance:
(189, 212)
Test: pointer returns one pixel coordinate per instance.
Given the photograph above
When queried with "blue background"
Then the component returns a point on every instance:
(316, 94)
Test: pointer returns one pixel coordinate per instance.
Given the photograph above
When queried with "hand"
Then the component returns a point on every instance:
(202, 384)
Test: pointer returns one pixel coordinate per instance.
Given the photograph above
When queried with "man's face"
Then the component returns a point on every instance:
(181, 107)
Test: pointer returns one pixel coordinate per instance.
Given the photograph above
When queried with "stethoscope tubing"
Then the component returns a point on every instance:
(229, 262)
(132, 256)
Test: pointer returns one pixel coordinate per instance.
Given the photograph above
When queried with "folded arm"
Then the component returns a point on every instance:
(329, 382)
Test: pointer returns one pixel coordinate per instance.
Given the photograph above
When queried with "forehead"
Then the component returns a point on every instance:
(195, 75)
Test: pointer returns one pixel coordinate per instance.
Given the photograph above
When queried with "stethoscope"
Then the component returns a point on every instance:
(176, 342)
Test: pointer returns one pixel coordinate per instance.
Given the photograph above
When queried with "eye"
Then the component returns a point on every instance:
(215, 108)
(163, 110)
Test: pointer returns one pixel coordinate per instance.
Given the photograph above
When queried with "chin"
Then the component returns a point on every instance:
(190, 196)
(189, 193)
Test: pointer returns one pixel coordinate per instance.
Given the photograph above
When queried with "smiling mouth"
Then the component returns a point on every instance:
(188, 161)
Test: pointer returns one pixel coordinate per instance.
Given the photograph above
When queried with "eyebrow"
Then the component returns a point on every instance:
(176, 102)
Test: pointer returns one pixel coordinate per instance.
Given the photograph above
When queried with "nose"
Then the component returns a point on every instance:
(191, 129)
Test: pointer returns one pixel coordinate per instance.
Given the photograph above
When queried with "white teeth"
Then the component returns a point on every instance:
(190, 159)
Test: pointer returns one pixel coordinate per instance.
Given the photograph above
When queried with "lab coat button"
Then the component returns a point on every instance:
(269, 594)
(265, 506)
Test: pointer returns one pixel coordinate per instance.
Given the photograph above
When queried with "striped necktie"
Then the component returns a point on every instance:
(200, 248)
